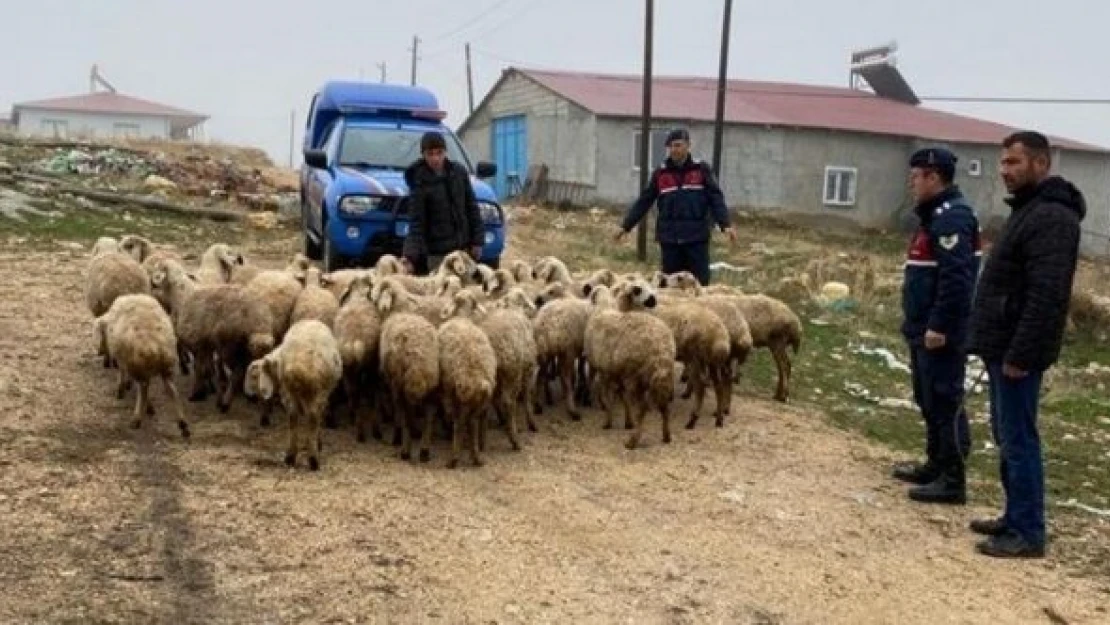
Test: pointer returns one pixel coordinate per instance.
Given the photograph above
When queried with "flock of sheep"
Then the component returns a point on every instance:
(426, 351)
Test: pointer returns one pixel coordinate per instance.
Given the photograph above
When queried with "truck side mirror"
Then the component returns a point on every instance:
(316, 158)
(486, 169)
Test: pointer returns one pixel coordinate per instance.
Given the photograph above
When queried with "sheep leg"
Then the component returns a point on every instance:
(234, 378)
(201, 363)
(314, 444)
(629, 418)
(547, 371)
(401, 419)
(721, 382)
(528, 399)
(665, 413)
(456, 438)
(179, 406)
(508, 408)
(183, 359)
(566, 378)
(264, 419)
(782, 362)
(294, 442)
(140, 404)
(638, 417)
(426, 437)
(475, 418)
(122, 385)
(697, 382)
(582, 387)
(350, 384)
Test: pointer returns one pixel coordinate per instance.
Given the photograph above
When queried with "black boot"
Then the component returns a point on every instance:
(915, 472)
(1010, 545)
(988, 527)
(949, 488)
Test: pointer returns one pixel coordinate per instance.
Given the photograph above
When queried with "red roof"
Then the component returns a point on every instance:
(106, 102)
(774, 104)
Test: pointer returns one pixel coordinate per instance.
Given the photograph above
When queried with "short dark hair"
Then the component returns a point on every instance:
(431, 141)
(1035, 143)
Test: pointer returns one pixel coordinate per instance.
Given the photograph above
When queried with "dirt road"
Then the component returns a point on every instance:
(776, 518)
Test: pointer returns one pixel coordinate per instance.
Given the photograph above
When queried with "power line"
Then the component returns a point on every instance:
(530, 4)
(465, 25)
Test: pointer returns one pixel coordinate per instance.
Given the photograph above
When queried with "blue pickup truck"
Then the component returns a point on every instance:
(359, 139)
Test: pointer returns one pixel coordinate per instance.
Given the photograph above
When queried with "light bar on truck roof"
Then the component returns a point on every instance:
(422, 113)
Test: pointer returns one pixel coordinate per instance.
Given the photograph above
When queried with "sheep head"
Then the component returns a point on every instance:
(522, 271)
(518, 298)
(483, 275)
(462, 304)
(500, 282)
(389, 265)
(299, 267)
(684, 281)
(635, 295)
(458, 263)
(261, 380)
(312, 277)
(105, 245)
(601, 277)
(602, 297)
(136, 247)
(553, 291)
(448, 286)
(223, 257)
(550, 270)
(360, 286)
(387, 294)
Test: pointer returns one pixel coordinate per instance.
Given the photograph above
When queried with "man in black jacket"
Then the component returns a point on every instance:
(690, 201)
(941, 265)
(444, 216)
(1018, 319)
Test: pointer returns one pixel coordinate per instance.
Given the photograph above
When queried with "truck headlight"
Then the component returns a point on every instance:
(491, 213)
(356, 205)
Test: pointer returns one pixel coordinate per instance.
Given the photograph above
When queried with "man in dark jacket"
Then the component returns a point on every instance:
(689, 198)
(444, 216)
(941, 266)
(1018, 319)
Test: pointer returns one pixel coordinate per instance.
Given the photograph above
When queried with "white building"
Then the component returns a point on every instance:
(105, 114)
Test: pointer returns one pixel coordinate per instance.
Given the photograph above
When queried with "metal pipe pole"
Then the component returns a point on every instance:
(722, 88)
(645, 127)
(469, 80)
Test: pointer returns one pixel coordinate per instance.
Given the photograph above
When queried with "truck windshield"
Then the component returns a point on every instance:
(392, 148)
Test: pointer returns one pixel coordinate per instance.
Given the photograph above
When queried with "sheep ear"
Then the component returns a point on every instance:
(385, 301)
(346, 292)
(447, 311)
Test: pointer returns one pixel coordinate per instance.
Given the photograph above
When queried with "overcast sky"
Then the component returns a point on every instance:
(248, 64)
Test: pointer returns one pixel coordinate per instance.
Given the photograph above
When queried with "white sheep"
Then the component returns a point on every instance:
(112, 274)
(138, 334)
(217, 263)
(509, 331)
(467, 377)
(304, 369)
(409, 361)
(314, 301)
(358, 328)
(632, 354)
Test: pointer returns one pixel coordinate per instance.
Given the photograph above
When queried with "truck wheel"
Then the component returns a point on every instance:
(311, 249)
(331, 258)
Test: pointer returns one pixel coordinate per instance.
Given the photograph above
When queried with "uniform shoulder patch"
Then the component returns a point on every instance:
(949, 241)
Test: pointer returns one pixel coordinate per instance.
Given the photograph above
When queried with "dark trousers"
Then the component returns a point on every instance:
(938, 390)
(1021, 467)
(692, 257)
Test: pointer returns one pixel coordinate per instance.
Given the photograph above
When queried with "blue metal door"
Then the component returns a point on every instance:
(510, 152)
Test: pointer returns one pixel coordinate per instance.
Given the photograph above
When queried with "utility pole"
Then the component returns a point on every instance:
(722, 88)
(381, 67)
(645, 129)
(292, 130)
(415, 47)
(469, 79)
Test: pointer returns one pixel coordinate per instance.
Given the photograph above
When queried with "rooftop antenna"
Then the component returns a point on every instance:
(95, 78)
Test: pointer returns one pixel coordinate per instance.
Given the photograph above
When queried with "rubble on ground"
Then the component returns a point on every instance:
(184, 174)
